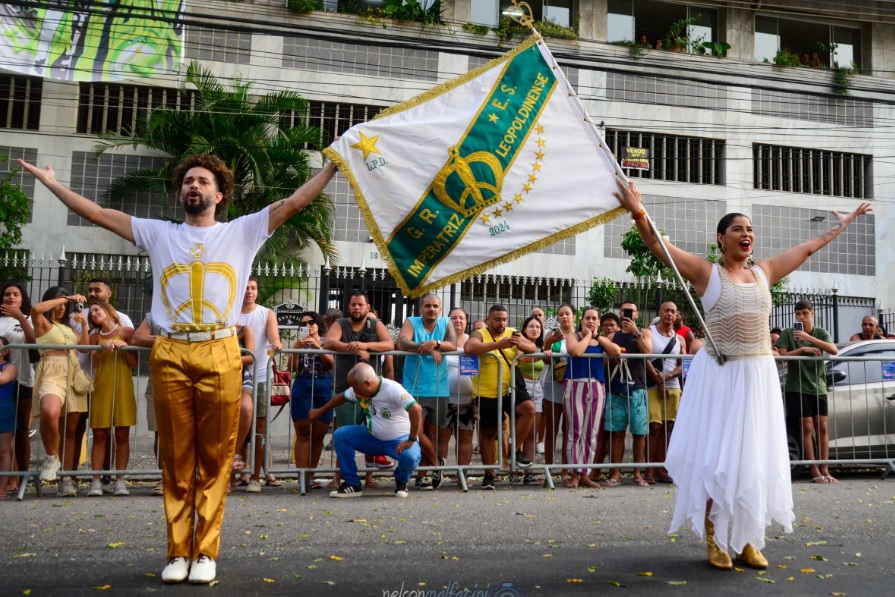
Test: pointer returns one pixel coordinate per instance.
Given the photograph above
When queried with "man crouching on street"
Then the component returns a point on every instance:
(393, 424)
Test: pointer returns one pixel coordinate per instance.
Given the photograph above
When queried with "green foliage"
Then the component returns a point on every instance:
(477, 29)
(842, 79)
(718, 49)
(677, 38)
(302, 6)
(551, 29)
(635, 50)
(14, 209)
(785, 57)
(268, 161)
(413, 10)
(643, 263)
(507, 29)
(602, 294)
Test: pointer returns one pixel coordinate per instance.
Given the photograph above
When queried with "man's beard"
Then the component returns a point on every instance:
(356, 318)
(196, 208)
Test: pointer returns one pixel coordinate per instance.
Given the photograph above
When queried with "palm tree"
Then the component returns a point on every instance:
(268, 161)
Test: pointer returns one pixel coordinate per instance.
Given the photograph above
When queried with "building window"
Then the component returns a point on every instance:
(633, 21)
(812, 171)
(680, 159)
(117, 108)
(331, 118)
(489, 12)
(817, 44)
(218, 44)
(20, 99)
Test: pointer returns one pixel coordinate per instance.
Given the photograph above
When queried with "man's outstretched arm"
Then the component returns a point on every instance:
(110, 219)
(284, 209)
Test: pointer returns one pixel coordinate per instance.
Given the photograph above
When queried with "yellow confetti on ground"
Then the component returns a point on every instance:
(336, 558)
(575, 580)
(644, 574)
(781, 566)
(807, 570)
(26, 592)
(102, 588)
(269, 580)
(117, 544)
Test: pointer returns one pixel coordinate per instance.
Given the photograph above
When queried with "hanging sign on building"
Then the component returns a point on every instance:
(92, 40)
(635, 158)
(497, 163)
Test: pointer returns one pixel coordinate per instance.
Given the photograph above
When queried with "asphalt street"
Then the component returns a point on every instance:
(529, 541)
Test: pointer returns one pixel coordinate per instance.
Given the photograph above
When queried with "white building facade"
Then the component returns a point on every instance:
(725, 134)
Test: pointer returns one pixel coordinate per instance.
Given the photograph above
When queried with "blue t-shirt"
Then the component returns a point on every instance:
(422, 377)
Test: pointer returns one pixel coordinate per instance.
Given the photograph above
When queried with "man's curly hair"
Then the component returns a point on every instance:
(222, 176)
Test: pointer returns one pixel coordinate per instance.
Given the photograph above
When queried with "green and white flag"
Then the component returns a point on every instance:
(481, 170)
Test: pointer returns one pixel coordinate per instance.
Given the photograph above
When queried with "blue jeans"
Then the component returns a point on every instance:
(357, 438)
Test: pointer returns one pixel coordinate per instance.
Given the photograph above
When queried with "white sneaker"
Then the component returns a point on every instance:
(176, 571)
(203, 570)
(108, 488)
(49, 468)
(539, 447)
(96, 488)
(121, 487)
(253, 487)
(67, 488)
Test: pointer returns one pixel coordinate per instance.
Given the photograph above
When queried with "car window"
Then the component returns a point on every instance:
(860, 372)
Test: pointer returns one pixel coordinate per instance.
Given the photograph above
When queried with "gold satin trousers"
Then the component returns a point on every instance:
(197, 388)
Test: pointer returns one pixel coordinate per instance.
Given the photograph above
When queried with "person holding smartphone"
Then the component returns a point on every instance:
(806, 387)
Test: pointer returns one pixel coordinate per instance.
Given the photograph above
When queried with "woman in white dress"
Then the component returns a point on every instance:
(728, 454)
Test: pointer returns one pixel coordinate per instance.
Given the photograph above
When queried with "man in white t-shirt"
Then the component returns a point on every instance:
(263, 322)
(393, 421)
(199, 271)
(663, 378)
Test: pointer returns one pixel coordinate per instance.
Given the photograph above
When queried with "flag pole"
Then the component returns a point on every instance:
(680, 280)
(523, 15)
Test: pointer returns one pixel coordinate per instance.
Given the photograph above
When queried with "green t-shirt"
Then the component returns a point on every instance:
(806, 377)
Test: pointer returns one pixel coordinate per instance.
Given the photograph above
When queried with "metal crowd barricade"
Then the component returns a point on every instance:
(861, 421)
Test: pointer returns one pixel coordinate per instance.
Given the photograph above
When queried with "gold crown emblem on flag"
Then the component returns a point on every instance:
(457, 187)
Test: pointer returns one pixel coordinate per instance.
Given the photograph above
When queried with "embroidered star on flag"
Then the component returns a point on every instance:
(481, 170)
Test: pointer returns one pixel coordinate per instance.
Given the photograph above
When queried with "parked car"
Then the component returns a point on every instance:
(861, 398)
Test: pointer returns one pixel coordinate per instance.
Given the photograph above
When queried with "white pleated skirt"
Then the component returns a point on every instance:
(729, 445)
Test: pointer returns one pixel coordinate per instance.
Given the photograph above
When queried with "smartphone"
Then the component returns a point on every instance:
(798, 327)
(628, 313)
(303, 332)
(517, 333)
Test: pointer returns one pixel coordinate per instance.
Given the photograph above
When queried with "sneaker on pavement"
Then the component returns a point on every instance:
(529, 479)
(422, 485)
(203, 570)
(121, 488)
(32, 433)
(67, 488)
(96, 488)
(176, 571)
(515, 479)
(383, 462)
(400, 489)
(254, 486)
(108, 487)
(488, 482)
(539, 447)
(49, 468)
(522, 461)
(437, 476)
(347, 491)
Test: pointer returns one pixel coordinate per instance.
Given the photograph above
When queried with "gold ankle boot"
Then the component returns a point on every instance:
(717, 558)
(753, 558)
